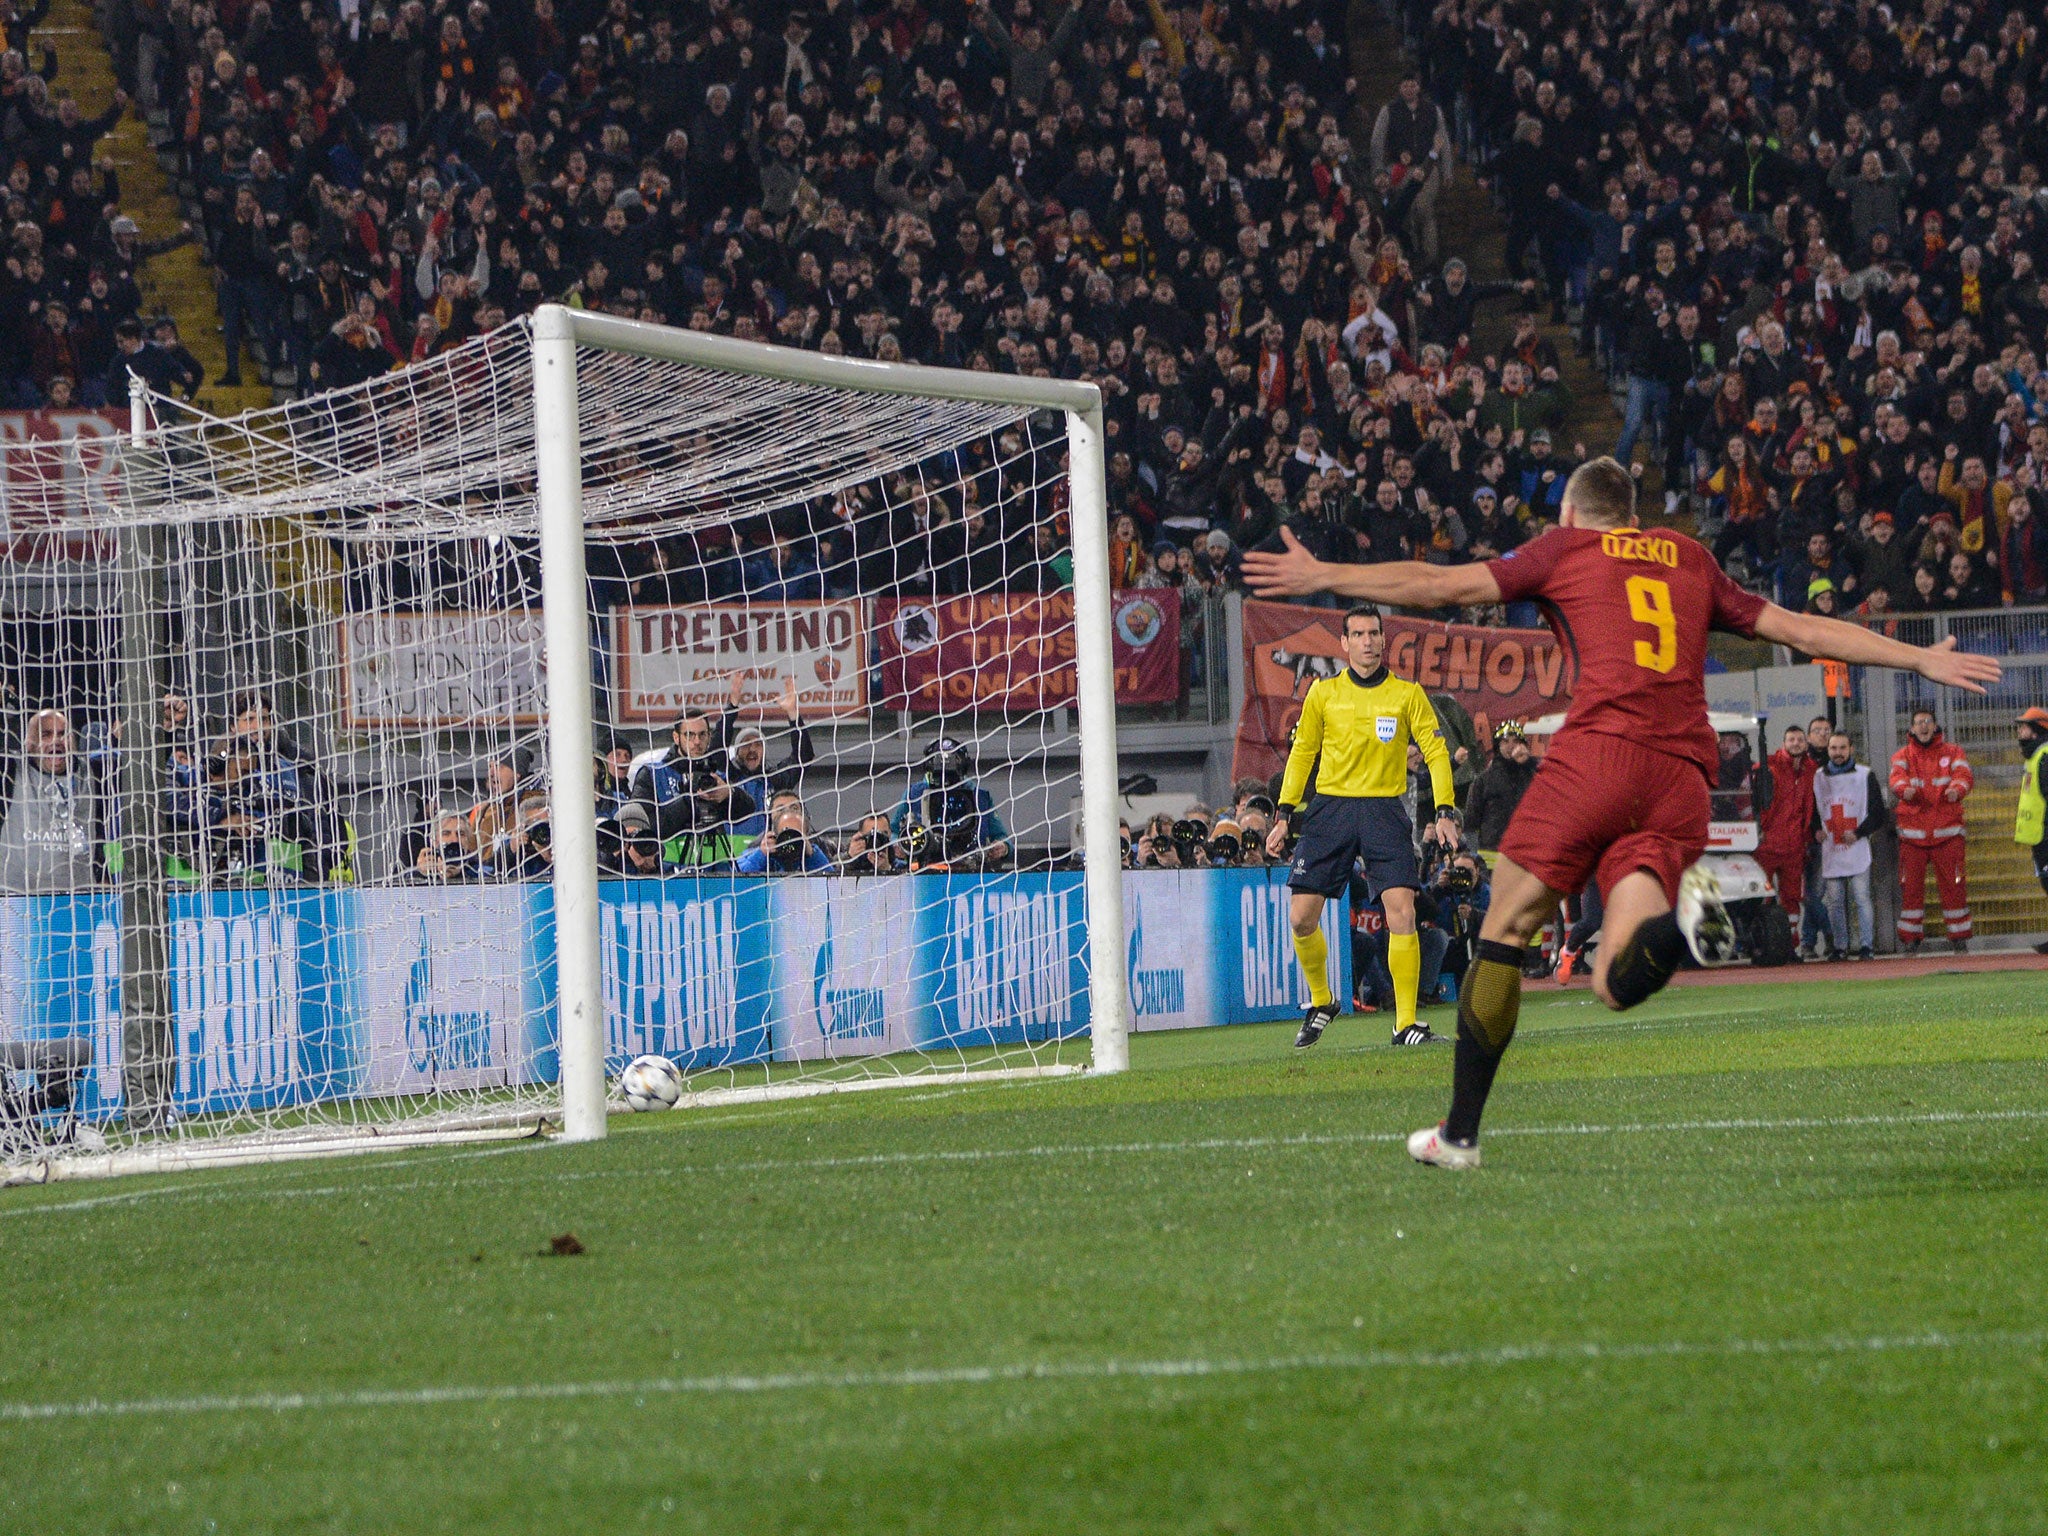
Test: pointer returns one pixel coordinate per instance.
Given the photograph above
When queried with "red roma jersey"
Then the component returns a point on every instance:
(1632, 609)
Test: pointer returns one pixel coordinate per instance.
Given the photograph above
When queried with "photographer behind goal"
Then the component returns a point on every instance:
(696, 808)
(945, 819)
(787, 847)
(1462, 894)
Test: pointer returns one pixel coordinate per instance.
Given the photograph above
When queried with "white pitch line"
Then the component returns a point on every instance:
(232, 1187)
(1590, 1351)
(1274, 1143)
(1077, 1149)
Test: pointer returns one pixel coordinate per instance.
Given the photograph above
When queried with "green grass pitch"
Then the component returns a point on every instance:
(1750, 1259)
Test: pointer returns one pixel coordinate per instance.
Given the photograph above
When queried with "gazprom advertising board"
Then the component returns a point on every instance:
(926, 962)
(290, 996)
(1213, 946)
(294, 995)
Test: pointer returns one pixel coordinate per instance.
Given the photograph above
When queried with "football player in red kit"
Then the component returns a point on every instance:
(1622, 795)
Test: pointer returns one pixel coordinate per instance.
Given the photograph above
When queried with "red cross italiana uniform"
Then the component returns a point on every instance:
(1786, 835)
(1929, 783)
(1624, 785)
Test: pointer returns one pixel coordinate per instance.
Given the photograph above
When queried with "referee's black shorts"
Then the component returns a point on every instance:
(1336, 831)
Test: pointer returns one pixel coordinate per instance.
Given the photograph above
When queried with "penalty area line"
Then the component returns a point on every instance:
(880, 1160)
(745, 1385)
(1323, 1139)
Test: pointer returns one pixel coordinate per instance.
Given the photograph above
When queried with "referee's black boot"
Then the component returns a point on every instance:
(1313, 1023)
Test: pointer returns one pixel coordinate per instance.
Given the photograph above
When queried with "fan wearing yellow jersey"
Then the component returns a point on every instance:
(1354, 733)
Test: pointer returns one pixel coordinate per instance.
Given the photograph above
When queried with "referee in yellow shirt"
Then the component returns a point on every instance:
(1359, 723)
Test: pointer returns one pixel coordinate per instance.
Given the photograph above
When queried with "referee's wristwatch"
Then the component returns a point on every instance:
(1450, 813)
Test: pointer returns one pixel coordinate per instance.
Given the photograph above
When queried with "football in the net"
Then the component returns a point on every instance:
(651, 1082)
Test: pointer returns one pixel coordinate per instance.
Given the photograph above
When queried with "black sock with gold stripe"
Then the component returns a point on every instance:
(1489, 1005)
(1651, 957)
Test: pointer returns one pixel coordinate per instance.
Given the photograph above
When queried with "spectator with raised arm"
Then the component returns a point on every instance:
(747, 755)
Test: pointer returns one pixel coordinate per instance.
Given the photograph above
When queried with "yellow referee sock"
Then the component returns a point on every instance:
(1314, 950)
(1404, 964)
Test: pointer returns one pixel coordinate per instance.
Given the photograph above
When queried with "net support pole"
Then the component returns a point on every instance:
(146, 1045)
(572, 794)
(1095, 697)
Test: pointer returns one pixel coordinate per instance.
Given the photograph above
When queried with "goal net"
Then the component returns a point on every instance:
(432, 748)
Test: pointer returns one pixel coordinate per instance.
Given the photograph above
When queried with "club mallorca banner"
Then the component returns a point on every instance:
(1016, 652)
(1497, 674)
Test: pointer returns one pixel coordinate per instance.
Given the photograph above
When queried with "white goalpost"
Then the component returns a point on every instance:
(558, 331)
(593, 689)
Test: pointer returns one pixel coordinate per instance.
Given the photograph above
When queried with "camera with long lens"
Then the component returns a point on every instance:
(875, 851)
(639, 842)
(1458, 885)
(540, 835)
(703, 781)
(790, 847)
(1187, 837)
(1225, 849)
(952, 819)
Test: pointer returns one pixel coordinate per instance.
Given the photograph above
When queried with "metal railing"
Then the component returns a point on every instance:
(1987, 631)
(1981, 725)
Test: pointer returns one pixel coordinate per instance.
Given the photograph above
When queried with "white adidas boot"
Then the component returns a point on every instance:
(1430, 1145)
(1709, 931)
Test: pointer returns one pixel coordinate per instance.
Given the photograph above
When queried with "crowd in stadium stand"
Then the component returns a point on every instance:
(71, 320)
(1161, 198)
(1807, 244)
(1804, 247)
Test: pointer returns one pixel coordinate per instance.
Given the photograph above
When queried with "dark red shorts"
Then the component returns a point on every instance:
(1604, 807)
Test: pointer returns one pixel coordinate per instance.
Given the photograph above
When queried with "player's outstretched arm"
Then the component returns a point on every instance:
(1294, 572)
(1834, 640)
